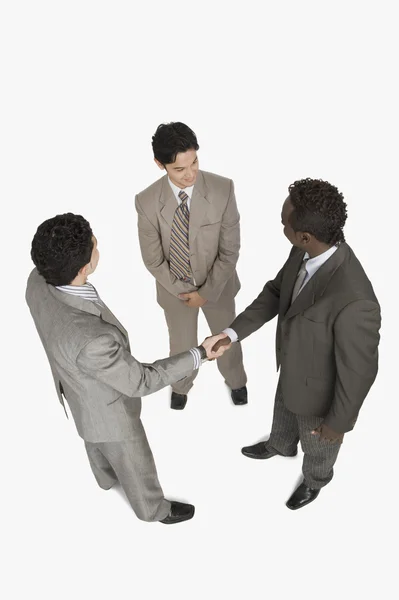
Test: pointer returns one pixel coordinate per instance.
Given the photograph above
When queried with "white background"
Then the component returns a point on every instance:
(274, 92)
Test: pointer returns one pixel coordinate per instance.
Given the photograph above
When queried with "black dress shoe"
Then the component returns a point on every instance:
(179, 511)
(178, 401)
(302, 496)
(261, 450)
(240, 396)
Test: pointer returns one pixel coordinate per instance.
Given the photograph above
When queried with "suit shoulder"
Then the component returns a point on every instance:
(213, 180)
(35, 285)
(353, 280)
(151, 193)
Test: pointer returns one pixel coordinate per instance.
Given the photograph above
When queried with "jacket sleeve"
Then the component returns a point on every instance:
(154, 258)
(228, 252)
(264, 308)
(107, 361)
(356, 339)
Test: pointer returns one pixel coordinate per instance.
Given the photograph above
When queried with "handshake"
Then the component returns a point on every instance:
(216, 345)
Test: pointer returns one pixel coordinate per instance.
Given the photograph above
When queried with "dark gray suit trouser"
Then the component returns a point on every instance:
(288, 429)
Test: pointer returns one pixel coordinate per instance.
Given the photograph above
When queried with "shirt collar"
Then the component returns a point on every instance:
(176, 190)
(86, 291)
(313, 264)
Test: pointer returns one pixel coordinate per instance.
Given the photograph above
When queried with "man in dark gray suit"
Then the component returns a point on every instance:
(93, 369)
(327, 336)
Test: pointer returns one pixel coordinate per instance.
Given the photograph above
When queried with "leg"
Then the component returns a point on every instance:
(102, 470)
(284, 435)
(320, 457)
(182, 324)
(220, 315)
(133, 463)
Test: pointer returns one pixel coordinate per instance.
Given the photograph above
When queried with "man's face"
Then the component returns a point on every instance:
(285, 215)
(183, 172)
(95, 257)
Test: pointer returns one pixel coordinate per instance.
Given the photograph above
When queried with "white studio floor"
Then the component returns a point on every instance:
(275, 92)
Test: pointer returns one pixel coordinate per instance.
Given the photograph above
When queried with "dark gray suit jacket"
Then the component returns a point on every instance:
(327, 339)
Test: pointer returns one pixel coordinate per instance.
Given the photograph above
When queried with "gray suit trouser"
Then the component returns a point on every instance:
(288, 429)
(131, 463)
(182, 323)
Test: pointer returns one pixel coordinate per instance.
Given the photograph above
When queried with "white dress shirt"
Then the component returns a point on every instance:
(187, 190)
(312, 266)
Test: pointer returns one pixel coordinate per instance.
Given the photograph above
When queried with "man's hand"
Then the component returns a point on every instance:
(193, 299)
(223, 342)
(210, 342)
(328, 434)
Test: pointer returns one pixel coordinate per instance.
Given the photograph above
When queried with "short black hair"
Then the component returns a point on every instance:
(172, 138)
(319, 209)
(61, 247)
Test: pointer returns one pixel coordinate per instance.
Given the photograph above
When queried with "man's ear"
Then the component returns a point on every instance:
(84, 270)
(306, 238)
(159, 164)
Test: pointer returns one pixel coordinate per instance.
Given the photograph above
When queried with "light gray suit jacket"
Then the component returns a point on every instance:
(89, 354)
(214, 235)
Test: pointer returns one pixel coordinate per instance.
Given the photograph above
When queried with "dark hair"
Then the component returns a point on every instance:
(61, 247)
(170, 139)
(319, 209)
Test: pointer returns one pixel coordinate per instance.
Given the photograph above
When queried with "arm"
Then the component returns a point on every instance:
(356, 332)
(264, 308)
(154, 258)
(107, 361)
(228, 252)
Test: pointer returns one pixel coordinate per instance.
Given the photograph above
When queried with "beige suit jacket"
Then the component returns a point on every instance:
(214, 235)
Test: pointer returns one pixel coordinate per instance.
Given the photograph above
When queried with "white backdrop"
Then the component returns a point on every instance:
(274, 92)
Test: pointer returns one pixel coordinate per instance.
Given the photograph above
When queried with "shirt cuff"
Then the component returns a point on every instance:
(196, 354)
(231, 333)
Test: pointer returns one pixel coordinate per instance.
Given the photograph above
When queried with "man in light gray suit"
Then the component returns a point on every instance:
(93, 369)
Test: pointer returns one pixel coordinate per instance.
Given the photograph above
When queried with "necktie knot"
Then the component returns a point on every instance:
(183, 196)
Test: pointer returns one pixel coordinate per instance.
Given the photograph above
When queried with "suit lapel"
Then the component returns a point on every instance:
(315, 288)
(289, 279)
(198, 208)
(168, 201)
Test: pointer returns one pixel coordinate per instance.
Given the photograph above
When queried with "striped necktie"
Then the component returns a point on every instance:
(300, 280)
(179, 258)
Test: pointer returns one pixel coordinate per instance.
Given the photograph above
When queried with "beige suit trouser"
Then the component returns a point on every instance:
(182, 323)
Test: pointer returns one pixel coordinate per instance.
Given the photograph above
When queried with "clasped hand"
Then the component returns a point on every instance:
(327, 434)
(192, 299)
(216, 345)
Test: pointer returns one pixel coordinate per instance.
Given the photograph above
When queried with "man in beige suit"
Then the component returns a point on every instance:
(189, 232)
(93, 369)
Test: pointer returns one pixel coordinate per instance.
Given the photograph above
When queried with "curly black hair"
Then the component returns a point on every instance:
(319, 209)
(172, 138)
(61, 247)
